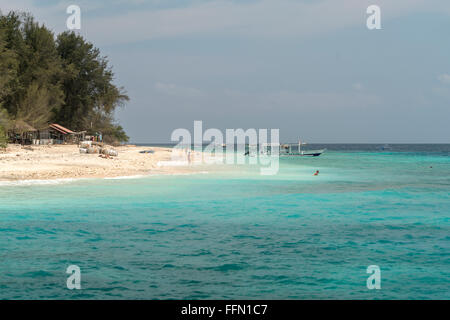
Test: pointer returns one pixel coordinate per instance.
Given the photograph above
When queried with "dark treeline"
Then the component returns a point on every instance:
(61, 79)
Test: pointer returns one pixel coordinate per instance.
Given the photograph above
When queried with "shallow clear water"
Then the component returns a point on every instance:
(235, 234)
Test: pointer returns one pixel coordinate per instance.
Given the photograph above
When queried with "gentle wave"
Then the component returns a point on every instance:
(172, 163)
(126, 177)
(9, 183)
(38, 182)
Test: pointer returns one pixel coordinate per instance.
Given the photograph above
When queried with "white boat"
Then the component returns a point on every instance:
(287, 150)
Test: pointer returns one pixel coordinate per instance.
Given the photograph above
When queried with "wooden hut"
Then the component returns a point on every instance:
(22, 133)
(57, 134)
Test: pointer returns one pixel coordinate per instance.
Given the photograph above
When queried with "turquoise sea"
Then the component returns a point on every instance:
(230, 233)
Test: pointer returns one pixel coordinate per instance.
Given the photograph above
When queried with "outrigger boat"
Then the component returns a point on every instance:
(288, 149)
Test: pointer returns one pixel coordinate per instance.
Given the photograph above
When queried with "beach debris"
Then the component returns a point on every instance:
(85, 144)
(88, 147)
(95, 143)
(93, 150)
(108, 151)
(147, 151)
(105, 156)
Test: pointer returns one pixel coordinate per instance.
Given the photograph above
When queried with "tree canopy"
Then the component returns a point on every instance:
(62, 79)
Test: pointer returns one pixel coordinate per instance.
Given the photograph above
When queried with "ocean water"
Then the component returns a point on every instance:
(230, 233)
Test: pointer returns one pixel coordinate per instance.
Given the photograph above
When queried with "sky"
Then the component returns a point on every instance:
(310, 68)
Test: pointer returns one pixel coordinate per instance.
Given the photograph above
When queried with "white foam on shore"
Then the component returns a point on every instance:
(62, 181)
(179, 173)
(126, 177)
(37, 182)
(172, 163)
(9, 183)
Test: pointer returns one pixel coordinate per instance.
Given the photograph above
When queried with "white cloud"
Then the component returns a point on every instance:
(176, 90)
(264, 18)
(444, 78)
(358, 86)
(323, 100)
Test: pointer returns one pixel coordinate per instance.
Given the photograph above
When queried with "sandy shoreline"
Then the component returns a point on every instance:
(66, 162)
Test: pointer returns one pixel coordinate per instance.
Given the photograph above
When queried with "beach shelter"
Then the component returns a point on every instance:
(21, 132)
(56, 134)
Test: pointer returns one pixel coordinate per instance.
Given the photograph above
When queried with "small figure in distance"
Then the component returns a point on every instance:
(317, 173)
(189, 157)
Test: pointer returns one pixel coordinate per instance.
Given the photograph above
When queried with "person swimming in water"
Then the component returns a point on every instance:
(317, 173)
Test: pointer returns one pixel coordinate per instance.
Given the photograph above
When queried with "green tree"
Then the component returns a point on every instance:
(34, 106)
(8, 72)
(43, 65)
(64, 80)
(90, 95)
(3, 138)
(10, 28)
(8, 68)
(4, 125)
(38, 63)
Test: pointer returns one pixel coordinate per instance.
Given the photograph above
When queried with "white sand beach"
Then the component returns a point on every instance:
(66, 162)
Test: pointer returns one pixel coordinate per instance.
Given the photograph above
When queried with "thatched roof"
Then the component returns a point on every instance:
(22, 126)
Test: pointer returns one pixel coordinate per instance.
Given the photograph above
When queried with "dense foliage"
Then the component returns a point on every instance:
(64, 80)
